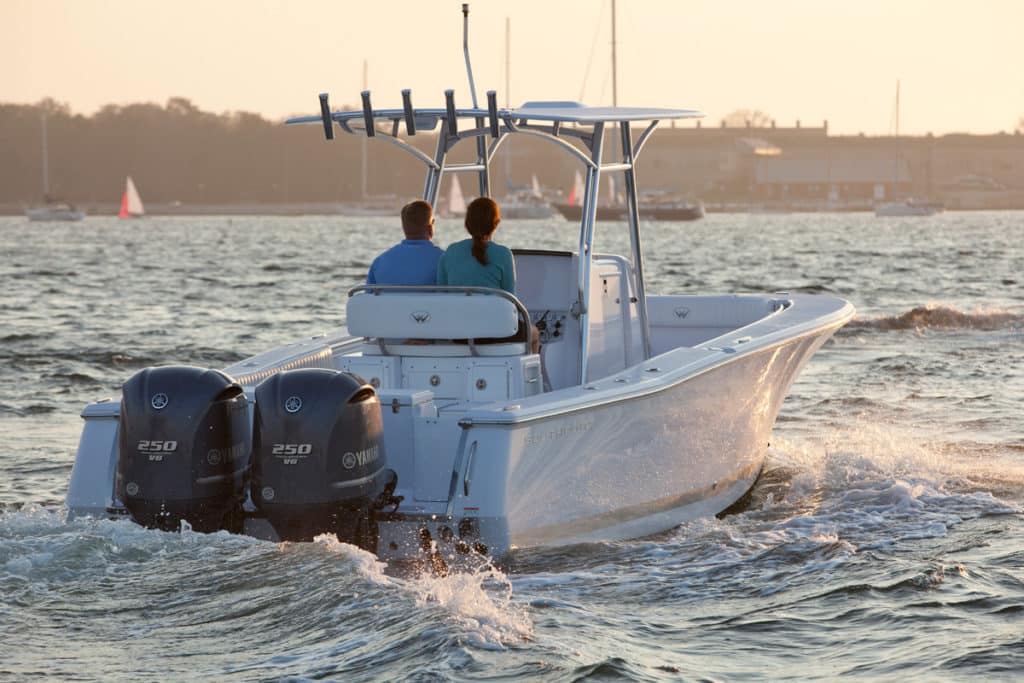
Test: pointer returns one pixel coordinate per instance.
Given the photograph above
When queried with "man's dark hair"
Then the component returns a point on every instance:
(416, 219)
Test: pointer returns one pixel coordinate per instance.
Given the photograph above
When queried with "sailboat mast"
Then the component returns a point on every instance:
(615, 76)
(46, 163)
(897, 109)
(363, 187)
(896, 146)
(508, 104)
(508, 53)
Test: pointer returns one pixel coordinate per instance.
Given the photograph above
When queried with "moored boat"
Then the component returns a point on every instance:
(662, 211)
(51, 209)
(908, 207)
(527, 204)
(905, 206)
(54, 211)
(640, 411)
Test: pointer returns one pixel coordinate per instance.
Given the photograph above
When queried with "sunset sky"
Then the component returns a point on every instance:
(958, 63)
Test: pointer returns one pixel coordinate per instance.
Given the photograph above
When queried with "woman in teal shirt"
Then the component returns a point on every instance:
(479, 261)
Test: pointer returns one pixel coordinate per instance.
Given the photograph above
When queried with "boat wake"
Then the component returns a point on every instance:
(41, 551)
(479, 602)
(878, 485)
(939, 316)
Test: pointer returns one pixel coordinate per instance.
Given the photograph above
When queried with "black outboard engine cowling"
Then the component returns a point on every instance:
(184, 449)
(318, 456)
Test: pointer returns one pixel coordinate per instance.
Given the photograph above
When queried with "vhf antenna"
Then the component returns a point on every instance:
(465, 49)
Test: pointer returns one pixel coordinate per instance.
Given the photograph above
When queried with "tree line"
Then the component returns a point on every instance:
(179, 153)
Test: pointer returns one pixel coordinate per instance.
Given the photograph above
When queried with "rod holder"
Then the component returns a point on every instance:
(449, 103)
(492, 112)
(410, 120)
(368, 115)
(325, 116)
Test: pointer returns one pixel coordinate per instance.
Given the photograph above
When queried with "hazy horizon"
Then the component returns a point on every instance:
(801, 60)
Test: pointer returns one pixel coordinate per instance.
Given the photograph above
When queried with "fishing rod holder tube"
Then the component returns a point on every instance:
(368, 114)
(325, 115)
(449, 105)
(492, 113)
(410, 118)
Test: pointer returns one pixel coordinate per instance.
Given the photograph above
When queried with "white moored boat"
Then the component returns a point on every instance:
(51, 210)
(908, 207)
(55, 211)
(641, 411)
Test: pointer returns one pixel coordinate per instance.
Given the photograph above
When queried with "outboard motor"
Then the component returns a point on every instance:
(318, 456)
(184, 449)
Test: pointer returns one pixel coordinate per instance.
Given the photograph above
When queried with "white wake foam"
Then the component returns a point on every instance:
(480, 602)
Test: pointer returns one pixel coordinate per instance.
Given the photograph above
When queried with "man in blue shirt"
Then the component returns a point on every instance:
(413, 261)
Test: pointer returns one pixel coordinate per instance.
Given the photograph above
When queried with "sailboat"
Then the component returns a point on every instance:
(131, 202)
(672, 209)
(52, 210)
(907, 206)
(456, 202)
(576, 193)
(520, 203)
(528, 204)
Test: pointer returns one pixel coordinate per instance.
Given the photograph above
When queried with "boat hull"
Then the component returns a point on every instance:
(690, 212)
(899, 209)
(45, 214)
(632, 466)
(680, 436)
(526, 211)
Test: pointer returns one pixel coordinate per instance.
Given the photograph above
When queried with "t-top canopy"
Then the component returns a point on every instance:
(562, 112)
(575, 112)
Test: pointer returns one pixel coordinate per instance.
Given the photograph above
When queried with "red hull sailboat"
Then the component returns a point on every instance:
(131, 202)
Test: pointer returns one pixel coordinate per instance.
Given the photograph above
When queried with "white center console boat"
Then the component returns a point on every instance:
(405, 434)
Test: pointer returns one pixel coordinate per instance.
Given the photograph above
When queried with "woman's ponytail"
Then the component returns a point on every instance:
(480, 249)
(482, 218)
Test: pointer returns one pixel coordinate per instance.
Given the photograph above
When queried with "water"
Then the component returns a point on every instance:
(884, 542)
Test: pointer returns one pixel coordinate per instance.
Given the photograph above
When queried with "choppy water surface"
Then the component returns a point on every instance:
(884, 542)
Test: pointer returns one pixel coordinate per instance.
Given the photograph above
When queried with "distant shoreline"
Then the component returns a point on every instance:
(225, 209)
(356, 210)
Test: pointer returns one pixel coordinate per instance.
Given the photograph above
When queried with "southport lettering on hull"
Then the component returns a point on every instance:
(539, 437)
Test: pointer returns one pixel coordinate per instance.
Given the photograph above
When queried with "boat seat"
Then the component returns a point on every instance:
(442, 349)
(435, 320)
